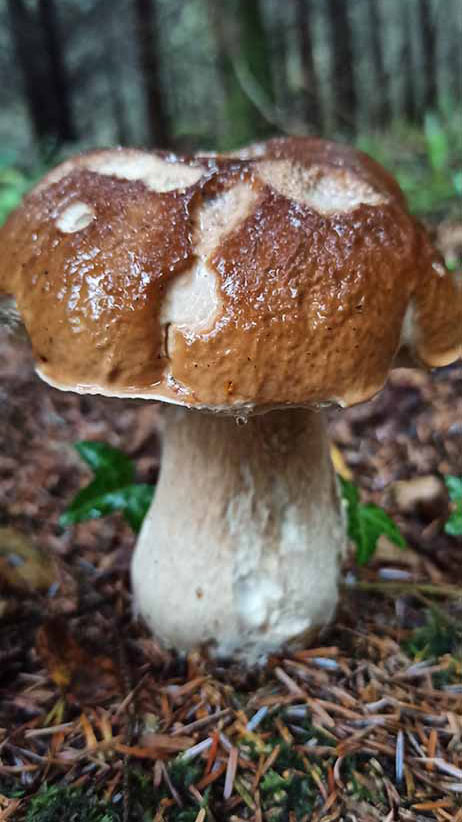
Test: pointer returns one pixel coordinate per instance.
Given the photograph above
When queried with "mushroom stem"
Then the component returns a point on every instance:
(242, 545)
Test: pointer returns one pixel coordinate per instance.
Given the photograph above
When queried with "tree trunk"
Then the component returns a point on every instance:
(113, 68)
(312, 109)
(428, 35)
(253, 47)
(239, 112)
(27, 49)
(280, 51)
(147, 34)
(382, 107)
(342, 50)
(65, 129)
(407, 68)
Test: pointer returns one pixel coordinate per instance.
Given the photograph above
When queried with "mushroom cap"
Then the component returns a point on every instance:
(290, 273)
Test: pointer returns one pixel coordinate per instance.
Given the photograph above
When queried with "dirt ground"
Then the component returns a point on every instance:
(363, 727)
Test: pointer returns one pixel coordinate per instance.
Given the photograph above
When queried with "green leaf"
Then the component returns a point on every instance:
(454, 486)
(111, 490)
(116, 468)
(453, 526)
(438, 636)
(366, 523)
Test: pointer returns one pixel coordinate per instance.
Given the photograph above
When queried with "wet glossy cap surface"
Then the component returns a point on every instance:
(289, 274)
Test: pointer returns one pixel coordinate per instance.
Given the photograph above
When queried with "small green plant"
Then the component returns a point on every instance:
(454, 524)
(438, 636)
(288, 793)
(112, 489)
(426, 162)
(437, 143)
(366, 523)
(68, 805)
(13, 185)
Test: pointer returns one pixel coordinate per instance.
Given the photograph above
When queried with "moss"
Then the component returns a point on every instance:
(439, 635)
(62, 804)
(287, 792)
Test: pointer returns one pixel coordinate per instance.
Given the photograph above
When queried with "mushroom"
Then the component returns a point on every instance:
(246, 293)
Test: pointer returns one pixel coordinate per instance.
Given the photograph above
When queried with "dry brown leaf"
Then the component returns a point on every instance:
(425, 496)
(339, 463)
(24, 567)
(165, 747)
(70, 666)
(164, 743)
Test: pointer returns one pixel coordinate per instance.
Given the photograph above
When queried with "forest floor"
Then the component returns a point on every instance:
(98, 723)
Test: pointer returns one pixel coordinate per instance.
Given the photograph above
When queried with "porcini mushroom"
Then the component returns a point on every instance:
(256, 289)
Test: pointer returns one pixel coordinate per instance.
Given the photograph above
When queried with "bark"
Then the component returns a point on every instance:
(407, 68)
(312, 108)
(148, 44)
(428, 35)
(253, 44)
(245, 71)
(381, 106)
(58, 81)
(342, 55)
(237, 109)
(241, 548)
(113, 68)
(27, 47)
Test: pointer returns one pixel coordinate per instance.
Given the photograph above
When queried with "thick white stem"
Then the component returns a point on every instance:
(242, 545)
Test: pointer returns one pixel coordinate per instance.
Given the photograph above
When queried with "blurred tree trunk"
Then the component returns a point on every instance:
(58, 77)
(147, 34)
(244, 69)
(27, 47)
(407, 68)
(280, 50)
(342, 59)
(428, 35)
(112, 68)
(382, 108)
(253, 47)
(312, 109)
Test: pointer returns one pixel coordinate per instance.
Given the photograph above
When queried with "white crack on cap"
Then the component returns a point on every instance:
(156, 173)
(192, 302)
(325, 189)
(75, 217)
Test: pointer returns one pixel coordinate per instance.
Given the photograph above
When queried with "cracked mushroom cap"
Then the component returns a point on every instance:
(290, 273)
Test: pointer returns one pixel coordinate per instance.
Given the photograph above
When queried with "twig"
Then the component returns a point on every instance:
(409, 588)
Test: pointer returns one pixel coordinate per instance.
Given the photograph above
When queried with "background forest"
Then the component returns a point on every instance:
(218, 73)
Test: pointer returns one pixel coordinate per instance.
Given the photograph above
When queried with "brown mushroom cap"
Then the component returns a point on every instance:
(288, 274)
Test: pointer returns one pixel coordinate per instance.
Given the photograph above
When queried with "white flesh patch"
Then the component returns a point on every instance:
(75, 217)
(129, 164)
(248, 153)
(157, 174)
(325, 189)
(192, 302)
(439, 268)
(408, 329)
(221, 215)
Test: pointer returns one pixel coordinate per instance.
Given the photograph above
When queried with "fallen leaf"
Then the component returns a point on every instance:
(24, 567)
(8, 807)
(338, 461)
(156, 746)
(83, 675)
(425, 496)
